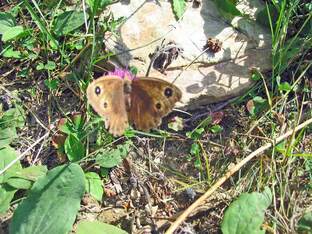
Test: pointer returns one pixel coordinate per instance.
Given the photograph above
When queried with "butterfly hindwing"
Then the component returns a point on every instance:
(151, 99)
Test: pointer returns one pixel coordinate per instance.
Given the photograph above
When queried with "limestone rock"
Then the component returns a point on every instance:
(203, 77)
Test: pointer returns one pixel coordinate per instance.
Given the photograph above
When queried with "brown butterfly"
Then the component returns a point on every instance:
(142, 102)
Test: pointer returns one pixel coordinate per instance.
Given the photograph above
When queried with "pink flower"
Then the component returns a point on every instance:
(122, 73)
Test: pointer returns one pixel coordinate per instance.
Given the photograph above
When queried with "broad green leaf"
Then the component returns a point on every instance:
(32, 173)
(7, 135)
(14, 117)
(74, 149)
(6, 195)
(227, 8)
(113, 157)
(52, 204)
(19, 183)
(179, 7)
(94, 185)
(7, 155)
(305, 224)
(246, 214)
(23, 179)
(68, 22)
(8, 27)
(97, 227)
(7, 21)
(13, 33)
(11, 53)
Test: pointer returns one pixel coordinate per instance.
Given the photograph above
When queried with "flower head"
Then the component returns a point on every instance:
(122, 73)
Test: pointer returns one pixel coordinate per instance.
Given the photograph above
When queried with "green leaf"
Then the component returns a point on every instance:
(7, 135)
(13, 33)
(74, 149)
(52, 203)
(216, 129)
(98, 5)
(40, 67)
(11, 53)
(23, 179)
(255, 76)
(285, 86)
(246, 214)
(304, 224)
(97, 227)
(6, 21)
(50, 65)
(6, 195)
(7, 155)
(14, 117)
(7, 192)
(195, 149)
(19, 183)
(52, 84)
(68, 22)
(227, 8)
(113, 157)
(179, 7)
(259, 104)
(94, 185)
(8, 27)
(78, 121)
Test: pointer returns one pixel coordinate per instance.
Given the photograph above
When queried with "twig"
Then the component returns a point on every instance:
(24, 153)
(229, 173)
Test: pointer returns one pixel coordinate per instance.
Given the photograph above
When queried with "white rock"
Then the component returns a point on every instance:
(212, 77)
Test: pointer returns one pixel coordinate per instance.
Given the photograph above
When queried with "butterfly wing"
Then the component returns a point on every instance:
(151, 99)
(106, 96)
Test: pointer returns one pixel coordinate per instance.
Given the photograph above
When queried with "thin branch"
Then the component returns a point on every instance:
(230, 172)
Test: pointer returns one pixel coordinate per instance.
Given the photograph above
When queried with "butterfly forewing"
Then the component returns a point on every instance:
(106, 96)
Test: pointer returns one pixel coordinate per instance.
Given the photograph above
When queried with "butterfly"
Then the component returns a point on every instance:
(141, 102)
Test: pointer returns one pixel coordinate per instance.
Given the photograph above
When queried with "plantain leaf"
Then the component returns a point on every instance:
(67, 22)
(52, 203)
(7, 155)
(96, 227)
(6, 195)
(246, 214)
(23, 179)
(94, 185)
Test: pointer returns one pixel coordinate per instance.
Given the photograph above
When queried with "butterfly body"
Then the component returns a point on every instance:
(142, 102)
